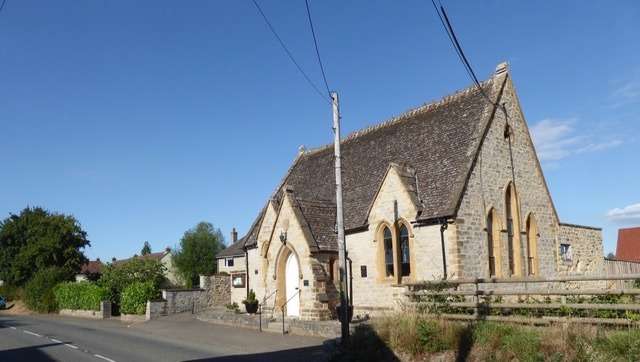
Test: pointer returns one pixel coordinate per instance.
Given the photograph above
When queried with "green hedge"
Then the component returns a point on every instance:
(134, 297)
(38, 292)
(83, 295)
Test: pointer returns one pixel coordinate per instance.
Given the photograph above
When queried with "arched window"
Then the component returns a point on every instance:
(493, 244)
(532, 245)
(513, 231)
(388, 251)
(405, 255)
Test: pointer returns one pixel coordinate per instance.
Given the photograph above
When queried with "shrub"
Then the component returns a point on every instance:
(430, 336)
(11, 292)
(134, 297)
(38, 292)
(83, 295)
(234, 307)
(619, 346)
(115, 278)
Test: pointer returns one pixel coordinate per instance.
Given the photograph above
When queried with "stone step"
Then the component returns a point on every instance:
(275, 327)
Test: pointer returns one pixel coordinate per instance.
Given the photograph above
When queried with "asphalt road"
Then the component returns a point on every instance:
(175, 338)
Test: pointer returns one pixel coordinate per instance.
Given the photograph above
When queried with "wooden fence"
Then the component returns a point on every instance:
(483, 299)
(621, 267)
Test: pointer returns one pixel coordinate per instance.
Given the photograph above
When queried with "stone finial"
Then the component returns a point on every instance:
(301, 149)
(502, 67)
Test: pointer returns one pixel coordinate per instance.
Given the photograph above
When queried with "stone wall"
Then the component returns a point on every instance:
(374, 293)
(155, 310)
(182, 300)
(586, 248)
(217, 291)
(103, 313)
(486, 189)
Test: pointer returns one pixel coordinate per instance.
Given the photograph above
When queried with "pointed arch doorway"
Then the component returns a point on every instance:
(292, 285)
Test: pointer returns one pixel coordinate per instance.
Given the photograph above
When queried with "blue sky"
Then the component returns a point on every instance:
(143, 118)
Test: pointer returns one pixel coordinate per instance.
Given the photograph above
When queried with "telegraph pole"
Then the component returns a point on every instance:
(342, 246)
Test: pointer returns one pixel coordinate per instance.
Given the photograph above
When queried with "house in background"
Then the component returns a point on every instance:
(91, 271)
(232, 260)
(165, 258)
(628, 247)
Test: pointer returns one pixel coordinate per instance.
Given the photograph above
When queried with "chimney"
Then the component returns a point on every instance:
(234, 235)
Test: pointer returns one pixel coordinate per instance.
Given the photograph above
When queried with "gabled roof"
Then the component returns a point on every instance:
(433, 147)
(438, 140)
(628, 247)
(235, 249)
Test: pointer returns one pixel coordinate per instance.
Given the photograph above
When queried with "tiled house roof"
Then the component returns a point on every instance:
(92, 267)
(235, 249)
(628, 247)
(432, 147)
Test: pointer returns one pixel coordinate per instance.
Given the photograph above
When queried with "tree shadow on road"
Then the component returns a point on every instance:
(308, 354)
(31, 353)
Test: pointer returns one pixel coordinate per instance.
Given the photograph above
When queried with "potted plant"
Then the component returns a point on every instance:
(251, 303)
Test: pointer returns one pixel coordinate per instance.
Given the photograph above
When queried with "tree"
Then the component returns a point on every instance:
(611, 256)
(146, 249)
(37, 239)
(197, 252)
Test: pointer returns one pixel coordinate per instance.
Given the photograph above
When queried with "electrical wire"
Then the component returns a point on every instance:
(448, 28)
(315, 42)
(291, 57)
(2, 6)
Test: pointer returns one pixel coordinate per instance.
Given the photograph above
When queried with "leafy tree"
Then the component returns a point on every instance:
(197, 252)
(146, 249)
(37, 239)
(611, 256)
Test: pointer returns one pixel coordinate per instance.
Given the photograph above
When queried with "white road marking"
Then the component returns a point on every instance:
(70, 346)
(12, 327)
(32, 333)
(104, 358)
(55, 340)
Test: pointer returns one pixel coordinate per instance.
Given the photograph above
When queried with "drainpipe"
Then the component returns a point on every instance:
(246, 264)
(350, 281)
(443, 227)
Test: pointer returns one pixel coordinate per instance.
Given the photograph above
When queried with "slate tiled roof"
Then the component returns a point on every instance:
(235, 249)
(628, 247)
(321, 220)
(433, 147)
(438, 141)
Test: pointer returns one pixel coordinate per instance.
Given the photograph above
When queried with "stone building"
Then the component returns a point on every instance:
(453, 187)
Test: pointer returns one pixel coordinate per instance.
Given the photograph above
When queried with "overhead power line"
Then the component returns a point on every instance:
(291, 57)
(315, 42)
(448, 28)
(2, 6)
